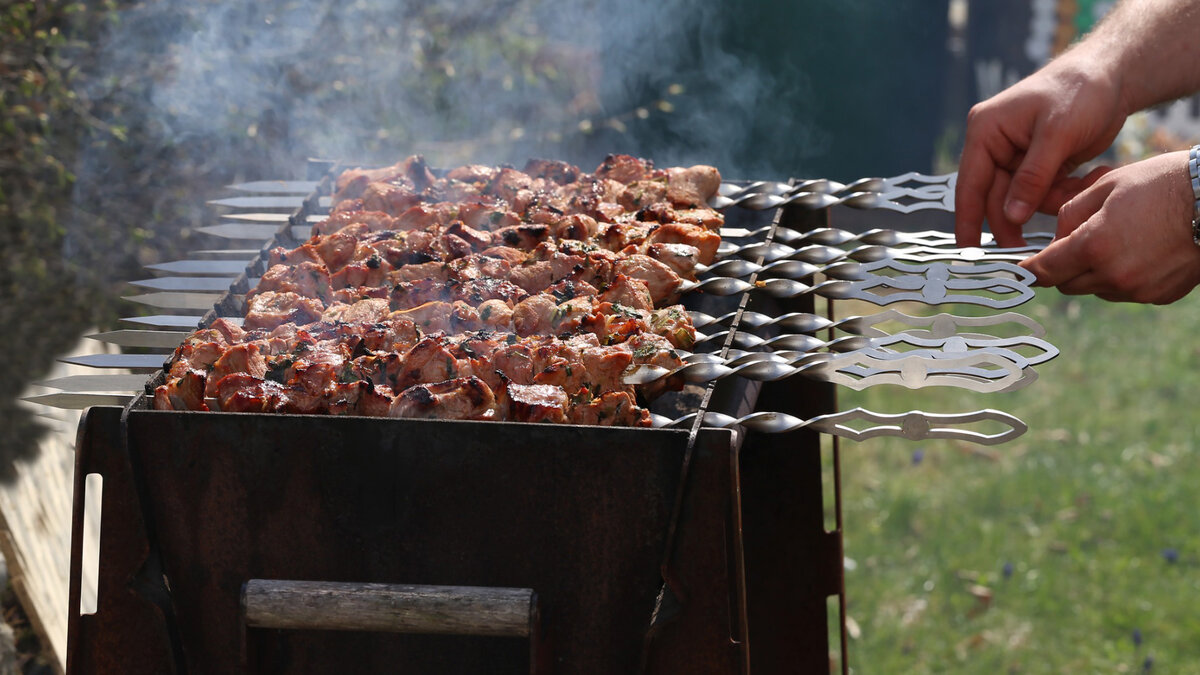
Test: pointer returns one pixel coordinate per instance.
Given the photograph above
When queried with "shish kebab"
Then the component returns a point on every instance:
(489, 293)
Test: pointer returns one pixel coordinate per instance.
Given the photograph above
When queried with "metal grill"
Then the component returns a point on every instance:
(724, 561)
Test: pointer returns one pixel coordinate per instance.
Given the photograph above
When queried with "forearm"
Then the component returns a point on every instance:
(1150, 49)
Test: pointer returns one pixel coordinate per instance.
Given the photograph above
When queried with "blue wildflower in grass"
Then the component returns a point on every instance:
(1007, 570)
(917, 456)
(1137, 638)
(1148, 664)
(1170, 555)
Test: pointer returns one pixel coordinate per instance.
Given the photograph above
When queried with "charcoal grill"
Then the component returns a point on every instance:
(698, 547)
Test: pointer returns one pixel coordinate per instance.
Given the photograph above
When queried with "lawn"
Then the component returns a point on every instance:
(1074, 549)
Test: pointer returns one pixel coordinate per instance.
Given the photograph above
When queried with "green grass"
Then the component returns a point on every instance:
(1083, 511)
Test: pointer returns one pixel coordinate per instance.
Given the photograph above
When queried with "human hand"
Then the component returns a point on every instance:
(1128, 237)
(1021, 144)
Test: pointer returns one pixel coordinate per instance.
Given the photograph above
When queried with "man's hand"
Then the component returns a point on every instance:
(1021, 144)
(1126, 238)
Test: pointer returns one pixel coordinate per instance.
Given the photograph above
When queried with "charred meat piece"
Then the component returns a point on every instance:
(660, 280)
(553, 170)
(306, 279)
(270, 309)
(624, 168)
(613, 408)
(462, 398)
(181, 393)
(243, 358)
(702, 240)
(535, 403)
(629, 292)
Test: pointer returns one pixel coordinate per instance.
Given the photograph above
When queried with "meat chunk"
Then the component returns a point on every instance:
(535, 315)
(613, 408)
(462, 398)
(674, 324)
(306, 279)
(661, 282)
(430, 317)
(360, 398)
(702, 240)
(536, 403)
(681, 258)
(496, 315)
(430, 360)
(692, 186)
(244, 358)
(629, 292)
(369, 310)
(269, 309)
(624, 168)
(553, 170)
(181, 393)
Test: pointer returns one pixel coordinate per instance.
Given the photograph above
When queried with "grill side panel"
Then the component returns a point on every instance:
(577, 514)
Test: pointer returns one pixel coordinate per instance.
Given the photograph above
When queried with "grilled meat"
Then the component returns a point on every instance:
(489, 293)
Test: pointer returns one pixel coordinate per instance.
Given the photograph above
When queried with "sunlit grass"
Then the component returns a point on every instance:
(1058, 552)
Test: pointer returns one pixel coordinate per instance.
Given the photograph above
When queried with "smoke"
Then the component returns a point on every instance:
(471, 81)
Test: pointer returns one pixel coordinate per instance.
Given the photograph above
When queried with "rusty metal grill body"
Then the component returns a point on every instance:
(592, 519)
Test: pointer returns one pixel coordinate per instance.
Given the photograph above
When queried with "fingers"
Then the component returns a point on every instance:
(975, 174)
(1008, 234)
(1059, 263)
(1032, 180)
(1067, 187)
(1089, 283)
(1082, 206)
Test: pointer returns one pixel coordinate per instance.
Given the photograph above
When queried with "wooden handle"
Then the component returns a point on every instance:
(457, 610)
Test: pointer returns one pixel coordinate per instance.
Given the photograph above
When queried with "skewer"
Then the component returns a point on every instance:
(95, 383)
(914, 425)
(134, 362)
(202, 284)
(297, 187)
(887, 346)
(858, 370)
(202, 267)
(940, 325)
(936, 284)
(264, 217)
(154, 339)
(185, 321)
(78, 401)
(267, 202)
(184, 301)
(250, 231)
(905, 193)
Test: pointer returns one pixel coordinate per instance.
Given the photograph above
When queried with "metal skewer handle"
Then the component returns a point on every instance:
(983, 370)
(889, 345)
(931, 284)
(830, 236)
(823, 254)
(939, 325)
(906, 193)
(914, 425)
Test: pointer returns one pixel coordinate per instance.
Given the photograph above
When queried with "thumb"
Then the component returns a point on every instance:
(1032, 179)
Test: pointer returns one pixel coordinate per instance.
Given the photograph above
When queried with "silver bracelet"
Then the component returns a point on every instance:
(1194, 172)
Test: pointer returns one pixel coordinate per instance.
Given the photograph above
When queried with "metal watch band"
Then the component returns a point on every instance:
(1194, 173)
